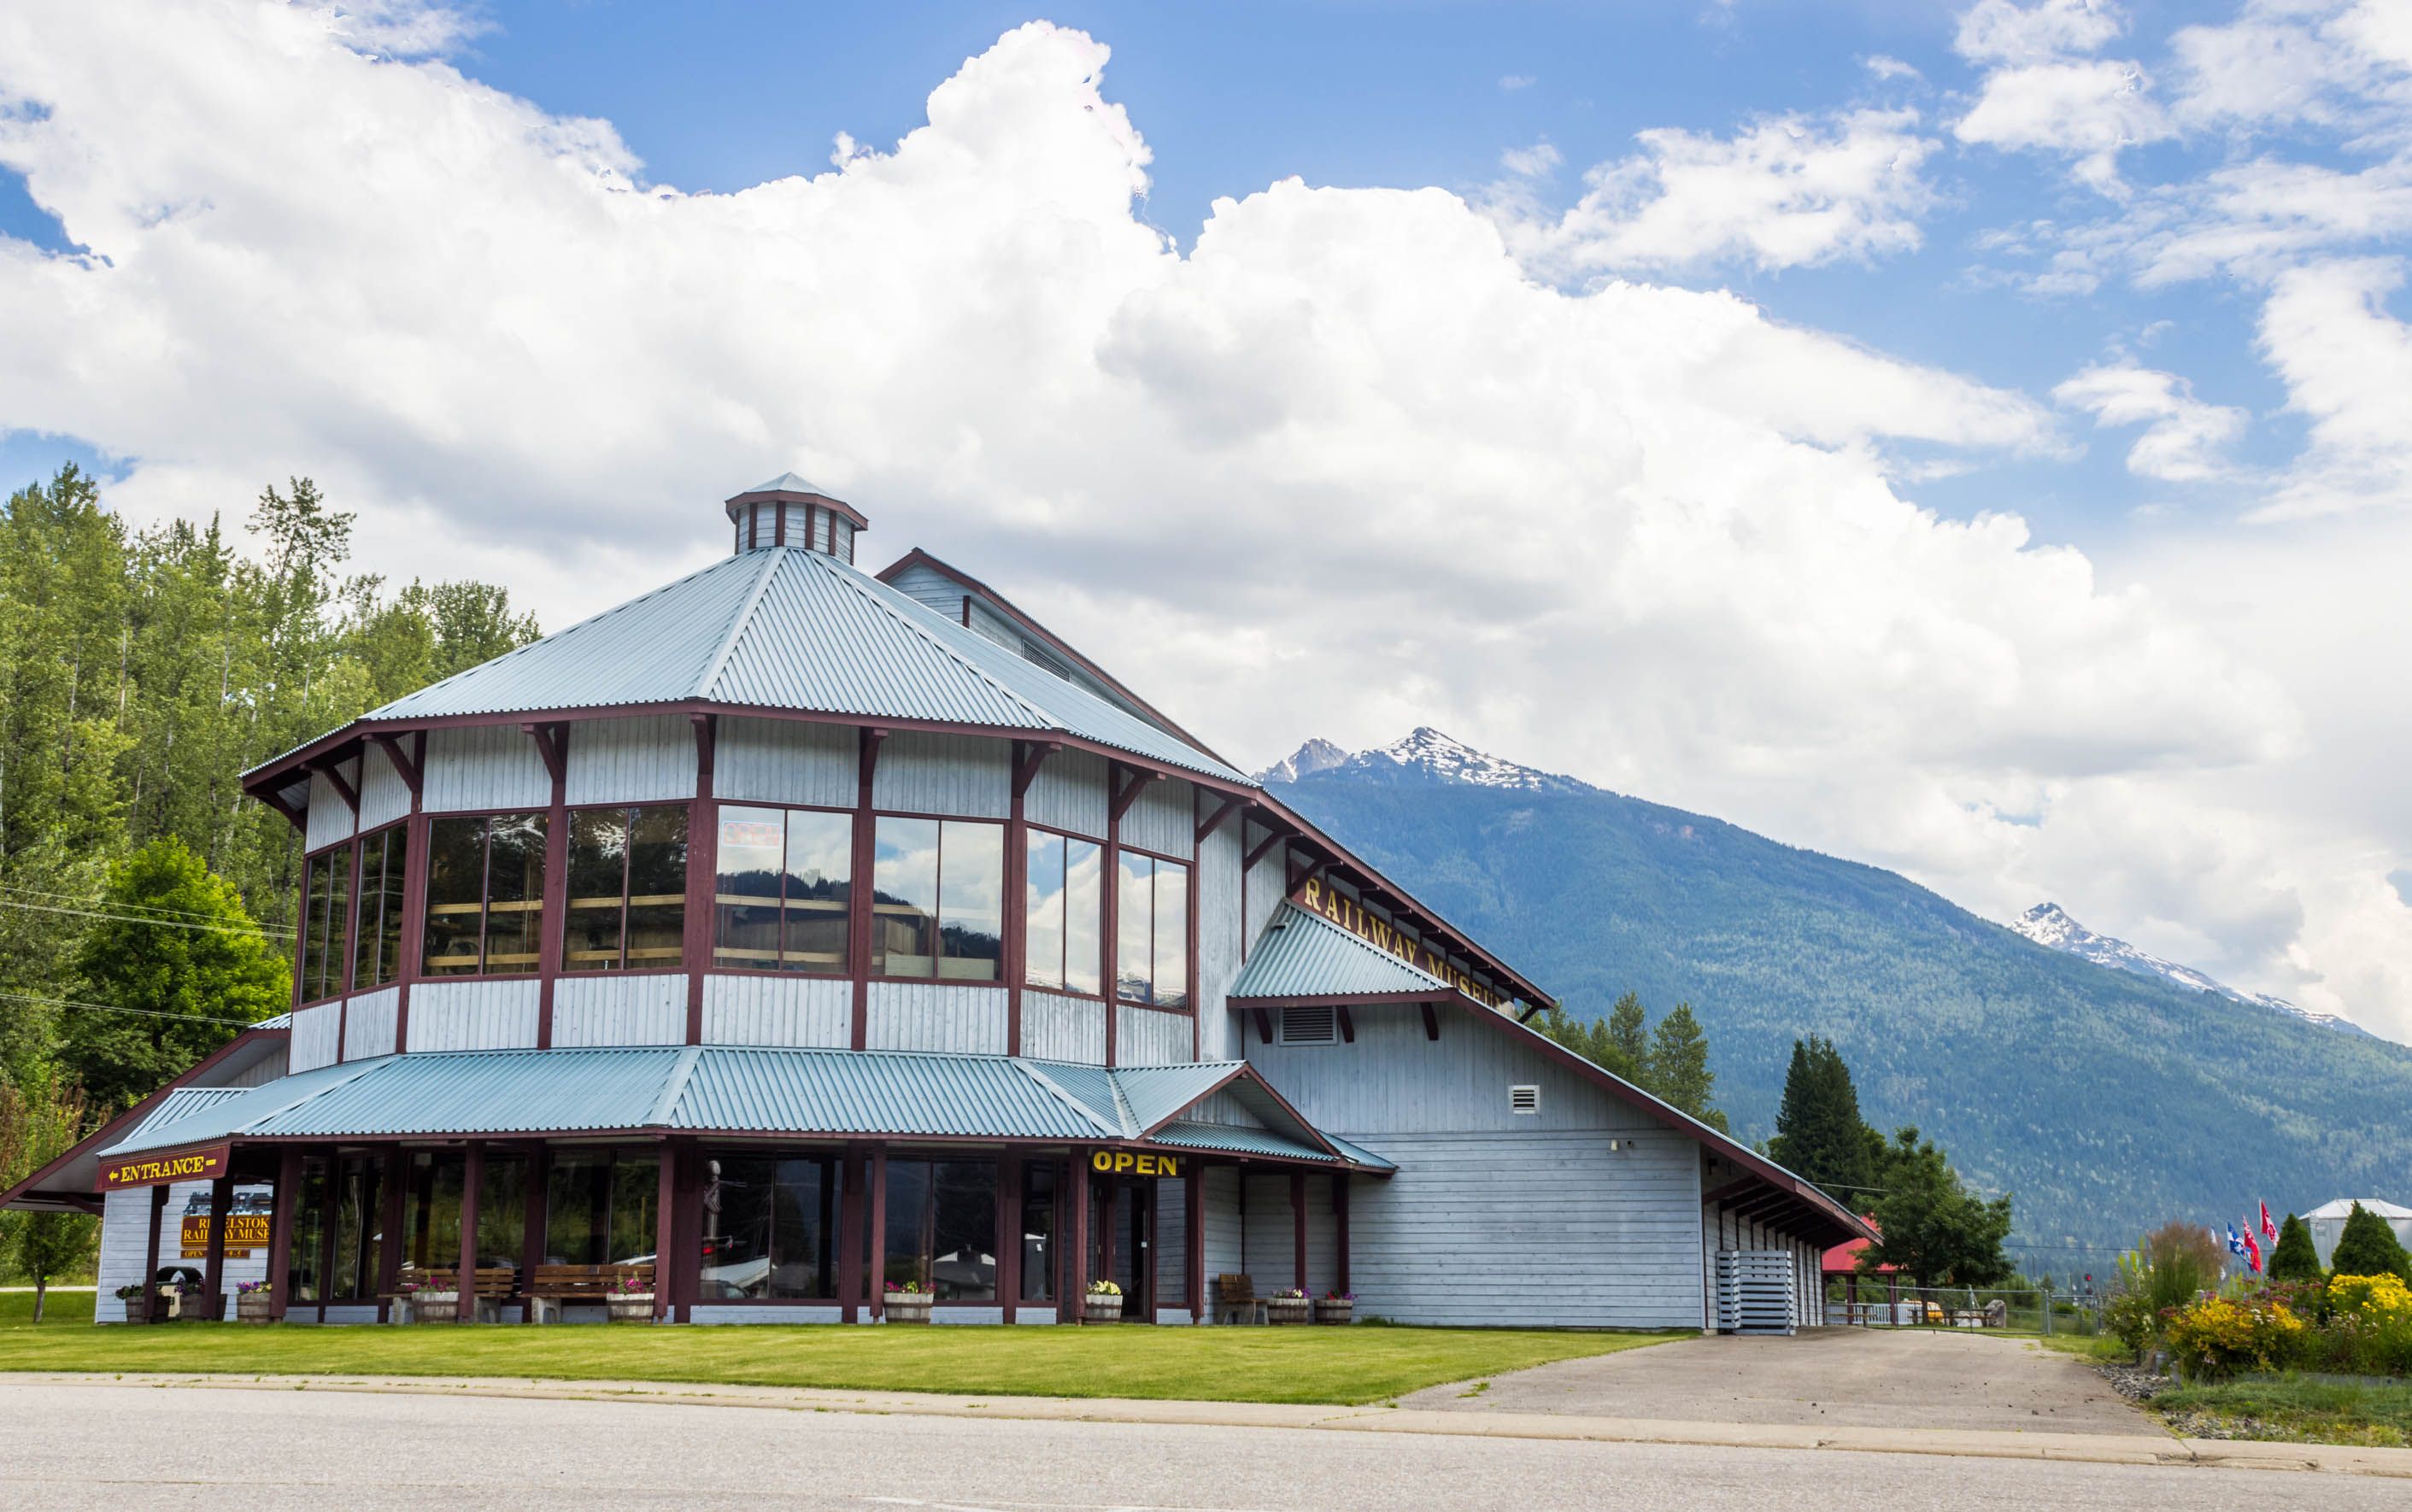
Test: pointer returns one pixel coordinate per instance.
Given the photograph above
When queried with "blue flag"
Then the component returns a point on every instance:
(2235, 1242)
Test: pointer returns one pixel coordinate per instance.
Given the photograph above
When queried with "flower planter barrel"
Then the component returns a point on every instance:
(1101, 1309)
(1288, 1309)
(630, 1307)
(1333, 1310)
(436, 1307)
(909, 1306)
(254, 1307)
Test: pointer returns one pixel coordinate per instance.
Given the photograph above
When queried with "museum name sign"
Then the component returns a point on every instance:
(1344, 911)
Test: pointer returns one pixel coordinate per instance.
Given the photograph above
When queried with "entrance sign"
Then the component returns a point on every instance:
(243, 1231)
(150, 1170)
(1124, 1162)
(1343, 910)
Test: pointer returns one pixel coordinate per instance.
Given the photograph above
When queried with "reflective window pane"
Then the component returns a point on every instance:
(1042, 894)
(745, 896)
(1171, 988)
(366, 937)
(1135, 927)
(971, 900)
(1038, 1232)
(656, 930)
(907, 1247)
(456, 882)
(397, 861)
(514, 891)
(962, 1230)
(904, 897)
(313, 928)
(598, 864)
(820, 860)
(1085, 913)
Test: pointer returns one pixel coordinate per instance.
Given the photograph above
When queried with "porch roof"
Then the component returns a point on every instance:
(1304, 955)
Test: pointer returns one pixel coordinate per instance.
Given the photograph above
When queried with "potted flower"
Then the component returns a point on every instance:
(252, 1302)
(629, 1299)
(427, 1304)
(132, 1295)
(908, 1303)
(1104, 1304)
(1335, 1306)
(1290, 1306)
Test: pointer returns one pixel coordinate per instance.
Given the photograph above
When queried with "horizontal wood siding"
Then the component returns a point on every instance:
(794, 1012)
(1069, 794)
(646, 760)
(1055, 1028)
(935, 1016)
(1394, 1079)
(1223, 1250)
(316, 1036)
(965, 776)
(483, 767)
(1162, 820)
(384, 796)
(786, 761)
(473, 1016)
(930, 588)
(1150, 1036)
(368, 1023)
(1569, 1233)
(617, 1008)
(328, 819)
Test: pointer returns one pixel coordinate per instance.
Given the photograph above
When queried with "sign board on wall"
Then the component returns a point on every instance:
(150, 1170)
(1343, 910)
(1124, 1162)
(243, 1231)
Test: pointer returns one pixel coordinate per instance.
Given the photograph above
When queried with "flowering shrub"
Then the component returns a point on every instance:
(629, 1284)
(2372, 1316)
(1290, 1294)
(1104, 1288)
(2218, 1335)
(245, 1288)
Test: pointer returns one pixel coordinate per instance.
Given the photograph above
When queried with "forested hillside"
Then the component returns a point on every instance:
(2104, 1101)
(141, 672)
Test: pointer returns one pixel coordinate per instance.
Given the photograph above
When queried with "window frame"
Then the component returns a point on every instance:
(712, 951)
(382, 833)
(1008, 876)
(426, 839)
(1188, 931)
(341, 953)
(1022, 877)
(627, 862)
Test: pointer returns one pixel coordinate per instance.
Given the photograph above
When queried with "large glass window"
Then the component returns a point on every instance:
(358, 1221)
(1152, 932)
(627, 889)
(485, 895)
(1063, 888)
(376, 953)
(325, 920)
(781, 898)
(431, 1210)
(599, 1206)
(1038, 1232)
(942, 1227)
(769, 1226)
(938, 894)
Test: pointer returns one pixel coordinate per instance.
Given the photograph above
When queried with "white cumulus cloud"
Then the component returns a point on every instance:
(2183, 436)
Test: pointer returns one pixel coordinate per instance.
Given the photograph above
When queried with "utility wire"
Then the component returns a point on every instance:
(137, 918)
(88, 900)
(111, 1008)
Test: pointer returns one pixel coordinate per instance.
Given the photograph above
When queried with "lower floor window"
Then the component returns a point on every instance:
(769, 1227)
(599, 1206)
(942, 1227)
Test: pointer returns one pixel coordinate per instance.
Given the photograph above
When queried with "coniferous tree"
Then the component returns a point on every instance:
(2294, 1257)
(1818, 1131)
(1628, 1036)
(1677, 1070)
(2368, 1247)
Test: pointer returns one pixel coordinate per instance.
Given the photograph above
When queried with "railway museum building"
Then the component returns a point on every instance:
(793, 930)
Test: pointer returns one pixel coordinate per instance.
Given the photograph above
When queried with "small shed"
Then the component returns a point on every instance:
(2326, 1222)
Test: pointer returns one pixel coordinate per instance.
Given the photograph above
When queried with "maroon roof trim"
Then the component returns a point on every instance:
(840, 506)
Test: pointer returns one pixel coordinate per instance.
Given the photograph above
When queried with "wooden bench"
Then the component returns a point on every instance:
(1236, 1299)
(557, 1283)
(491, 1286)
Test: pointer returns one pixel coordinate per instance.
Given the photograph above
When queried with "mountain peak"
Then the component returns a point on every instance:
(1423, 752)
(2049, 924)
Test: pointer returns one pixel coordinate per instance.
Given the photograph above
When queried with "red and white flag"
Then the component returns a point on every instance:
(2252, 1250)
(2268, 1229)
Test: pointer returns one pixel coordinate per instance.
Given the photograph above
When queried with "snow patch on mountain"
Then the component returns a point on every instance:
(2049, 924)
(1423, 752)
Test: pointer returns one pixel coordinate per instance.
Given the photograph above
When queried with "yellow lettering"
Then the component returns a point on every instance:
(1101, 1161)
(1147, 1165)
(1166, 1165)
(1312, 895)
(1123, 1160)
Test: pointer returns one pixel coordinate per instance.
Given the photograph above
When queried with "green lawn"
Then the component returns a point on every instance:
(1335, 1365)
(2293, 1411)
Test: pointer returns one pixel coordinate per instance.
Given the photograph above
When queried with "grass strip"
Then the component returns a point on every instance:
(2291, 1411)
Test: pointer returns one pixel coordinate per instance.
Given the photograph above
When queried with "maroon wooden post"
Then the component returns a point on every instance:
(687, 1238)
(1298, 1224)
(151, 1269)
(552, 742)
(539, 1179)
(851, 1236)
(473, 1178)
(859, 919)
(214, 1268)
(879, 1231)
(280, 1230)
(702, 882)
(666, 1230)
(1339, 1222)
(1016, 904)
(1075, 1252)
(1147, 1283)
(1008, 1232)
(388, 1272)
(1107, 1195)
(1193, 1217)
(414, 890)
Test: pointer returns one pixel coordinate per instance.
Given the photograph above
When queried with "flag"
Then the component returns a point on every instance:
(2252, 1250)
(2268, 1229)
(2235, 1240)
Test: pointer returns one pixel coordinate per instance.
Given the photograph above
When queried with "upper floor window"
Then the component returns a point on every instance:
(1152, 932)
(485, 894)
(783, 887)
(1063, 891)
(937, 899)
(325, 921)
(627, 889)
(377, 950)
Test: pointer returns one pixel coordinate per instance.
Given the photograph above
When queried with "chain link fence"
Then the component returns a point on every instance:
(2038, 1308)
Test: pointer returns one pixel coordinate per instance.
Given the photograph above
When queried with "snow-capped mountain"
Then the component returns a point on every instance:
(1424, 752)
(2050, 924)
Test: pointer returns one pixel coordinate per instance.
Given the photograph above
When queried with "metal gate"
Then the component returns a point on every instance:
(1755, 1291)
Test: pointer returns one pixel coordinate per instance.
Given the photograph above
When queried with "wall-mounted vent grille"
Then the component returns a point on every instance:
(1307, 1026)
(1524, 1099)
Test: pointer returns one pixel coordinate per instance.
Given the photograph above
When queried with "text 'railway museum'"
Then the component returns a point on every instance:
(791, 931)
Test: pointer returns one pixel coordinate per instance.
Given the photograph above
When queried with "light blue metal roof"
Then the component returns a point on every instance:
(722, 1089)
(182, 1103)
(1232, 1139)
(790, 483)
(1306, 955)
(1156, 1092)
(786, 628)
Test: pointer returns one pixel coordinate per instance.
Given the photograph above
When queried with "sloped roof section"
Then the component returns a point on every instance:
(793, 630)
(1305, 955)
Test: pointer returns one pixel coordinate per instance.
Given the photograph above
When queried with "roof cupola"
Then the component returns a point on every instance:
(789, 511)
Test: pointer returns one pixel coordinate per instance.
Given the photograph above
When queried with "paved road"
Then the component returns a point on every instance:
(1859, 1377)
(126, 1448)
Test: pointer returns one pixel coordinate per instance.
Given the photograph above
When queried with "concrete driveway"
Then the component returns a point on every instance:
(1855, 1377)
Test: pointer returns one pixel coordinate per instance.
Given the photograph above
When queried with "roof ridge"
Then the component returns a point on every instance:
(738, 622)
(682, 1071)
(1031, 1070)
(1367, 946)
(862, 589)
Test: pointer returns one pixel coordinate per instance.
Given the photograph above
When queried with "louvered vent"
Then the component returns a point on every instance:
(1307, 1026)
(1524, 1099)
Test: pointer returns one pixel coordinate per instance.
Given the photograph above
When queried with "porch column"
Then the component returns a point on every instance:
(214, 1268)
(849, 1235)
(1008, 1232)
(666, 1233)
(473, 1178)
(539, 1179)
(397, 1175)
(879, 1231)
(1339, 1222)
(151, 1267)
(1076, 1252)
(280, 1230)
(1298, 1224)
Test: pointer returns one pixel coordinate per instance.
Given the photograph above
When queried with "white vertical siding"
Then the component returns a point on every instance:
(483, 767)
(807, 1012)
(618, 1008)
(1057, 1028)
(1145, 1036)
(125, 1244)
(786, 761)
(315, 1039)
(932, 589)
(1162, 820)
(646, 760)
(474, 1015)
(384, 797)
(368, 1023)
(1069, 794)
(1218, 917)
(968, 775)
(1223, 1230)
(328, 819)
(259, 1073)
(935, 1015)
(1267, 882)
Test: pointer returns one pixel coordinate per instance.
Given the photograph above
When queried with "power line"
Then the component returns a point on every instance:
(111, 1008)
(88, 899)
(137, 918)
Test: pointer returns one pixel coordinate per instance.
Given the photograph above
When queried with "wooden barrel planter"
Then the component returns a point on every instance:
(1099, 1308)
(436, 1307)
(909, 1306)
(1288, 1309)
(254, 1307)
(630, 1307)
(1333, 1310)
